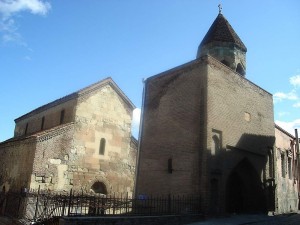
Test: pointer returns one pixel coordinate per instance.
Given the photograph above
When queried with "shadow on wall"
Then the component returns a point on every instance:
(239, 174)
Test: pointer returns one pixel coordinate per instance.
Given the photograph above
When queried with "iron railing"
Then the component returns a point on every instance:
(42, 206)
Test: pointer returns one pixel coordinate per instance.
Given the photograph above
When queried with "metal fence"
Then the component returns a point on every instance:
(42, 206)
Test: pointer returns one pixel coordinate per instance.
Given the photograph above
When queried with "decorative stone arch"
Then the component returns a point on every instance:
(99, 186)
(244, 189)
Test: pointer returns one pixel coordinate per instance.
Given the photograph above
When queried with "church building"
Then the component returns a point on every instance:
(208, 131)
(81, 142)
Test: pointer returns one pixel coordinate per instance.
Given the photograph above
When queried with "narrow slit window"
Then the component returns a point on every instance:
(43, 123)
(102, 146)
(290, 167)
(26, 129)
(62, 116)
(282, 165)
(170, 165)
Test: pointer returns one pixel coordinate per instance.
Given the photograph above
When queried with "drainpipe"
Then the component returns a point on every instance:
(139, 140)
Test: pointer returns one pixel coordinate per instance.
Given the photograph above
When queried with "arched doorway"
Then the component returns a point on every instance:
(99, 188)
(244, 192)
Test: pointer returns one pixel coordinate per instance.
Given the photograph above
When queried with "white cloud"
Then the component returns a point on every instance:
(279, 96)
(297, 105)
(289, 126)
(136, 122)
(10, 8)
(295, 80)
(283, 114)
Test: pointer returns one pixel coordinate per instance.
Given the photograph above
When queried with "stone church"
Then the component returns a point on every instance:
(208, 131)
(81, 141)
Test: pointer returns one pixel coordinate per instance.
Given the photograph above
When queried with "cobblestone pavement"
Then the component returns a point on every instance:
(288, 219)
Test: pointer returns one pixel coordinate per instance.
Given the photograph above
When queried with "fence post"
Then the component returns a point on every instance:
(169, 203)
(70, 200)
(36, 204)
(64, 204)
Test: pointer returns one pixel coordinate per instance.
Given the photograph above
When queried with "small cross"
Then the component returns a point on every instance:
(220, 8)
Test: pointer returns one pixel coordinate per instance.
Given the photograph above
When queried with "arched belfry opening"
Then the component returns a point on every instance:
(244, 190)
(240, 70)
(99, 188)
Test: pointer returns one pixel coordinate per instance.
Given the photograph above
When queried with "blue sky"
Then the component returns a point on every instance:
(52, 48)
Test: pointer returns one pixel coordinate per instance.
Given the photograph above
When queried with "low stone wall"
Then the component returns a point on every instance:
(131, 220)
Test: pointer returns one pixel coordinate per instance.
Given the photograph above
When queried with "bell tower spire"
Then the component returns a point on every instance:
(222, 43)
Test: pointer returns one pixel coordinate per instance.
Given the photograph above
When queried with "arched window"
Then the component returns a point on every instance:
(240, 70)
(102, 146)
(99, 187)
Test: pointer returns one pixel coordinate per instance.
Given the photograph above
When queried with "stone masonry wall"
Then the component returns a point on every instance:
(103, 114)
(286, 185)
(51, 115)
(54, 154)
(16, 163)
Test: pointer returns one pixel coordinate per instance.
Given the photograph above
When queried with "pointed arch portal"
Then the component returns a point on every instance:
(244, 191)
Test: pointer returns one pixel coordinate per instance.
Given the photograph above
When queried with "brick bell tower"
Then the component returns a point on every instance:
(222, 43)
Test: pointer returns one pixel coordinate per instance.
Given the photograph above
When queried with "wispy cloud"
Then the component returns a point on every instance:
(289, 126)
(10, 8)
(295, 80)
(279, 96)
(281, 114)
(296, 105)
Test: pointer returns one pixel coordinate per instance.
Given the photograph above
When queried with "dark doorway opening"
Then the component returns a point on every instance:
(244, 190)
(99, 187)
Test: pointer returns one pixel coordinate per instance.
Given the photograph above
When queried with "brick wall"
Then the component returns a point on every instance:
(240, 115)
(171, 131)
(188, 107)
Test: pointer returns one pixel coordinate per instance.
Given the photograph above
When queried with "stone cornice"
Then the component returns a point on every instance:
(56, 131)
(40, 136)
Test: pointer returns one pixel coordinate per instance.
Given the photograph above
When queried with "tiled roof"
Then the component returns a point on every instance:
(222, 31)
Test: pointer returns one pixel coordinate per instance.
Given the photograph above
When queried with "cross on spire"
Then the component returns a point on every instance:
(220, 8)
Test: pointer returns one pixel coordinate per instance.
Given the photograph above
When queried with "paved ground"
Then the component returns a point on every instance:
(288, 219)
(8, 221)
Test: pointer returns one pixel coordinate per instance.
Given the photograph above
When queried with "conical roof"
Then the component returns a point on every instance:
(222, 31)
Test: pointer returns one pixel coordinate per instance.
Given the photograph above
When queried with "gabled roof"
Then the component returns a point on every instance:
(222, 31)
(80, 93)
